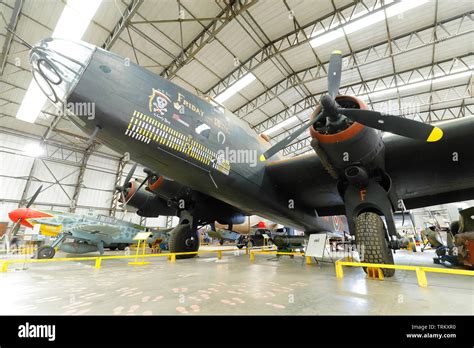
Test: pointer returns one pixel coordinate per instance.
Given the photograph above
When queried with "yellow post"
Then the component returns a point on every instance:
(4, 266)
(339, 271)
(308, 260)
(252, 256)
(219, 255)
(172, 258)
(98, 262)
(247, 250)
(141, 239)
(138, 250)
(421, 275)
(144, 250)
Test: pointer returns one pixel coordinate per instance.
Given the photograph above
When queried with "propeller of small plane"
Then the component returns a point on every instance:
(334, 115)
(18, 222)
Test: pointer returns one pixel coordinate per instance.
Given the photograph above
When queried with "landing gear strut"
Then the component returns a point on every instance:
(184, 237)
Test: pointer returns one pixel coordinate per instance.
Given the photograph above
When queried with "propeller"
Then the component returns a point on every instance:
(336, 117)
(18, 222)
(128, 179)
(122, 188)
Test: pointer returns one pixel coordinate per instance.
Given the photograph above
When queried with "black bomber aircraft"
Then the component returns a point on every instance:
(189, 144)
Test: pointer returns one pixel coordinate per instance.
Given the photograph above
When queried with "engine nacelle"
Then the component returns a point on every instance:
(353, 143)
(163, 187)
(148, 204)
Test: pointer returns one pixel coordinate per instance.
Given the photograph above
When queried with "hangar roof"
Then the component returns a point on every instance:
(415, 62)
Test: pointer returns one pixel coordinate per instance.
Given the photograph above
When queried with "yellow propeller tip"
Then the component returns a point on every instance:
(336, 52)
(435, 135)
(262, 158)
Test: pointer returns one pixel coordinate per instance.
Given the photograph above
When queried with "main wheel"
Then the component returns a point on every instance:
(183, 239)
(45, 252)
(371, 237)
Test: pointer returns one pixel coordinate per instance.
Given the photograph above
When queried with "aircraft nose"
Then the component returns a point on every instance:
(58, 64)
(17, 214)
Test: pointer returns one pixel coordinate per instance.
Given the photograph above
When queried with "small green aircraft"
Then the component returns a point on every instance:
(78, 234)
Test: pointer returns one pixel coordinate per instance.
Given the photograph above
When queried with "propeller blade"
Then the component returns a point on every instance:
(32, 199)
(394, 124)
(283, 143)
(130, 174)
(138, 189)
(334, 73)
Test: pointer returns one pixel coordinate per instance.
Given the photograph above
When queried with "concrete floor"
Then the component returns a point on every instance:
(232, 286)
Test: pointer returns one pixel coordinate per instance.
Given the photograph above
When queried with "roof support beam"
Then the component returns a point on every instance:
(452, 28)
(297, 37)
(9, 36)
(122, 23)
(232, 10)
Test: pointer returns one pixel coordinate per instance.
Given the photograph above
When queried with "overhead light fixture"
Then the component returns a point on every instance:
(281, 125)
(237, 86)
(355, 25)
(33, 150)
(72, 24)
(411, 85)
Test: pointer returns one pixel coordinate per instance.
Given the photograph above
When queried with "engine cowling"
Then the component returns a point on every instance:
(163, 187)
(350, 142)
(147, 204)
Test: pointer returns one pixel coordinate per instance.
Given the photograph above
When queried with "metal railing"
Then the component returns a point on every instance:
(98, 259)
(374, 270)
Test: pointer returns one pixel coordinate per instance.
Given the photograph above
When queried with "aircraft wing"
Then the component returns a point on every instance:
(304, 179)
(107, 233)
(422, 173)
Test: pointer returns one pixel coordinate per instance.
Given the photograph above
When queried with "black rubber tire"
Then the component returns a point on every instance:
(113, 248)
(221, 242)
(371, 236)
(240, 246)
(183, 239)
(122, 246)
(45, 252)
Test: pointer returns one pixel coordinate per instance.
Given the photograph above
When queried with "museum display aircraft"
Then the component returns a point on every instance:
(191, 148)
(78, 234)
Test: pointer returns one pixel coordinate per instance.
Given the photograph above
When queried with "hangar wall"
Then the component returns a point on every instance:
(58, 170)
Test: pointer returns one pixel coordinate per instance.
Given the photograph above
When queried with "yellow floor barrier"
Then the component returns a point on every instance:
(98, 259)
(375, 268)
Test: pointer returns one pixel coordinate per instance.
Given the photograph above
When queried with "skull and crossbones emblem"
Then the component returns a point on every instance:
(159, 102)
